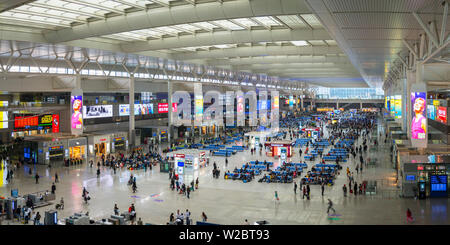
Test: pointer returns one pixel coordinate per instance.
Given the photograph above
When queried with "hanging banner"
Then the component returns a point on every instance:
(76, 105)
(97, 111)
(55, 123)
(398, 106)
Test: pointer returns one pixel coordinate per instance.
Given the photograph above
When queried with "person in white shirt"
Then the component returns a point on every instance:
(188, 214)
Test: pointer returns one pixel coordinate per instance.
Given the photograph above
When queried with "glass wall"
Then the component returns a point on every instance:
(349, 93)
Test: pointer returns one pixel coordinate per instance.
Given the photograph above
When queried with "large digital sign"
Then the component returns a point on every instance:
(139, 109)
(398, 106)
(34, 122)
(442, 114)
(419, 120)
(97, 111)
(163, 107)
(77, 116)
(431, 112)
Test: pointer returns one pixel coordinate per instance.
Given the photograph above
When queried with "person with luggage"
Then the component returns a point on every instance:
(304, 192)
(344, 188)
(132, 212)
(276, 196)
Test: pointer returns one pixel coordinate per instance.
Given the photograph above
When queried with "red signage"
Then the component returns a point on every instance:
(163, 108)
(55, 123)
(174, 107)
(26, 121)
(180, 155)
(442, 114)
(419, 167)
(287, 102)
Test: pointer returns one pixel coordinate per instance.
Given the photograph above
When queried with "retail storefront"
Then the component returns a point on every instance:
(119, 142)
(77, 149)
(99, 145)
(44, 150)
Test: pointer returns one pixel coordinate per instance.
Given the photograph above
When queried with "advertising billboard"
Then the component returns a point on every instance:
(291, 100)
(431, 112)
(442, 114)
(55, 123)
(419, 120)
(163, 107)
(276, 102)
(398, 106)
(139, 109)
(34, 122)
(3, 119)
(97, 111)
(77, 116)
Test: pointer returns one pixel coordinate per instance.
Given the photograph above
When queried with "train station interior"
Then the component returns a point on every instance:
(228, 112)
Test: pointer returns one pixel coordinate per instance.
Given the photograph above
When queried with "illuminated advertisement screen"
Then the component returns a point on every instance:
(419, 120)
(442, 114)
(3, 119)
(139, 109)
(55, 123)
(240, 104)
(199, 105)
(431, 112)
(77, 116)
(97, 111)
(276, 102)
(163, 107)
(392, 105)
(388, 103)
(398, 106)
(291, 101)
(174, 107)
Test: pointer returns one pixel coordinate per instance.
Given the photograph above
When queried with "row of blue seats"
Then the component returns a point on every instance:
(333, 158)
(255, 166)
(319, 165)
(302, 165)
(254, 162)
(255, 171)
(222, 154)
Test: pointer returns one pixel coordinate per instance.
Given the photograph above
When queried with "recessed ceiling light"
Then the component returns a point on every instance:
(299, 43)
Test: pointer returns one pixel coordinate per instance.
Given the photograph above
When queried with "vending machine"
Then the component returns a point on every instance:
(422, 189)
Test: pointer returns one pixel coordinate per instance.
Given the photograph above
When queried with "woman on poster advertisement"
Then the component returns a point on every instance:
(418, 123)
(77, 118)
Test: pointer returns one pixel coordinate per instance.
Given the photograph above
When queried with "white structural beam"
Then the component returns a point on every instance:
(175, 15)
(227, 37)
(257, 51)
(290, 59)
(294, 66)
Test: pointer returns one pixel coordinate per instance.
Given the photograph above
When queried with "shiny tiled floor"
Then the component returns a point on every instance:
(231, 202)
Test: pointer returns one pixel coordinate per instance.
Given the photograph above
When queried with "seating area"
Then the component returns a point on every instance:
(321, 173)
(223, 153)
(240, 174)
(278, 176)
(301, 142)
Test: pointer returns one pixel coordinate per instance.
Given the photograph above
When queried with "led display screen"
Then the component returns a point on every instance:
(419, 120)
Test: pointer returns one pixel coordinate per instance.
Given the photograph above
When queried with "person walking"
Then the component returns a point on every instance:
(116, 209)
(355, 188)
(36, 176)
(304, 192)
(188, 191)
(56, 178)
(276, 196)
(53, 188)
(308, 191)
(204, 217)
(330, 206)
(98, 172)
(344, 188)
(37, 219)
(187, 214)
(323, 187)
(295, 187)
(409, 218)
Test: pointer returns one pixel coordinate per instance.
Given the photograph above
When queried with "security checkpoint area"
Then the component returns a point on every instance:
(224, 112)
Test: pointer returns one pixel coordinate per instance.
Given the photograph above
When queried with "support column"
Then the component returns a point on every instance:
(337, 105)
(169, 100)
(78, 80)
(360, 105)
(131, 124)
